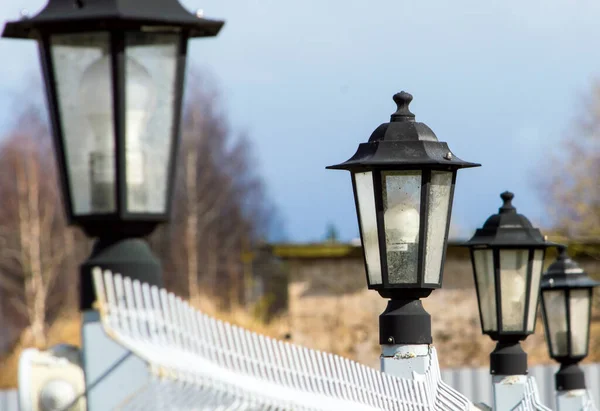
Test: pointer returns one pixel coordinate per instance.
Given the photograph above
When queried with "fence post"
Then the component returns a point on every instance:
(574, 400)
(571, 392)
(112, 372)
(509, 391)
(405, 361)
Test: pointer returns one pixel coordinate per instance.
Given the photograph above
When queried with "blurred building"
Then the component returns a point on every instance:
(335, 269)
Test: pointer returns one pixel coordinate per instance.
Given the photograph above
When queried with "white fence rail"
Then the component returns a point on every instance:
(476, 383)
(9, 400)
(199, 362)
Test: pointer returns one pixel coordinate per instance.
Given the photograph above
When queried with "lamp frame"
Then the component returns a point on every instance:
(116, 19)
(566, 275)
(499, 335)
(403, 145)
(377, 175)
(569, 357)
(510, 231)
(135, 223)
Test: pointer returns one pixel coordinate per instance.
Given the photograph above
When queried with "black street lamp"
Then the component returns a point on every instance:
(508, 257)
(566, 307)
(114, 74)
(403, 180)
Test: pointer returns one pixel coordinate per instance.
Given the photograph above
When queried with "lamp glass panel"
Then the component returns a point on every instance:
(83, 79)
(555, 313)
(150, 102)
(579, 316)
(513, 287)
(401, 206)
(534, 292)
(365, 194)
(484, 275)
(437, 223)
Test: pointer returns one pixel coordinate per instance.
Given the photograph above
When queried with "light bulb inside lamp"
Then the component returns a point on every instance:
(402, 226)
(513, 299)
(517, 294)
(96, 96)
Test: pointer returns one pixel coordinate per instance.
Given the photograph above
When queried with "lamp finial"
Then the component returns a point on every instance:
(507, 207)
(403, 113)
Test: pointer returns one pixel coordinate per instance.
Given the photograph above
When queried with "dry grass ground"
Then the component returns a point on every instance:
(65, 330)
(347, 326)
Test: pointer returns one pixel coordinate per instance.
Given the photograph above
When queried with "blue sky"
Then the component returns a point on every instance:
(500, 81)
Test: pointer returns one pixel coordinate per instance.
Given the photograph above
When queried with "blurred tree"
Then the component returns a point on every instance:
(331, 233)
(570, 180)
(221, 209)
(35, 242)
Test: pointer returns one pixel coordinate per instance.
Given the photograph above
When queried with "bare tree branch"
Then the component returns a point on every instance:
(569, 181)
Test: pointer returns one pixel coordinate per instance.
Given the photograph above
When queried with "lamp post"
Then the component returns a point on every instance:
(403, 180)
(114, 75)
(508, 255)
(566, 307)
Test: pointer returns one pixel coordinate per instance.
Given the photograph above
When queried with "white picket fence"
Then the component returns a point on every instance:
(9, 400)
(197, 360)
(475, 383)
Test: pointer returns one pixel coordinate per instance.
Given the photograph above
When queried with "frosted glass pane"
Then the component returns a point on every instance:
(534, 293)
(439, 201)
(84, 89)
(513, 276)
(401, 205)
(556, 317)
(484, 273)
(151, 66)
(579, 301)
(368, 224)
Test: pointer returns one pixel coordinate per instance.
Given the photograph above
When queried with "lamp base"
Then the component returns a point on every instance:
(508, 358)
(130, 257)
(406, 361)
(405, 322)
(569, 377)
